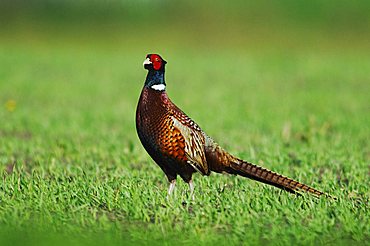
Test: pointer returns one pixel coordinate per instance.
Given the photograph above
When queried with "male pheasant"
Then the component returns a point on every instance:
(180, 147)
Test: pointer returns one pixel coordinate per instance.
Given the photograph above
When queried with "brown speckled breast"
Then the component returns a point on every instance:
(157, 132)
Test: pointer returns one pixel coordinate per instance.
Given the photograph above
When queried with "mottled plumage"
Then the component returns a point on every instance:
(180, 147)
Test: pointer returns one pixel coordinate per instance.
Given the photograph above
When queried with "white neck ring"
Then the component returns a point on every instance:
(158, 87)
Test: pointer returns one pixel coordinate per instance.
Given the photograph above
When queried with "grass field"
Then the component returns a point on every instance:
(74, 171)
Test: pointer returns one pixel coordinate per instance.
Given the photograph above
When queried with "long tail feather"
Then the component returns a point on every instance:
(221, 161)
(266, 176)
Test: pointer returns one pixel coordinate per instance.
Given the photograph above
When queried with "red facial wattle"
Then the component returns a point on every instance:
(157, 61)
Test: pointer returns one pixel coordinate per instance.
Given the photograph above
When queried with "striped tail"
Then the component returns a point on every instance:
(221, 161)
(266, 176)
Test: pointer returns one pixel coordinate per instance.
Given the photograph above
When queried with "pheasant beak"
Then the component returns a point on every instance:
(147, 62)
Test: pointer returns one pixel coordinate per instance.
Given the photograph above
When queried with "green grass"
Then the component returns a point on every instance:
(295, 101)
(74, 170)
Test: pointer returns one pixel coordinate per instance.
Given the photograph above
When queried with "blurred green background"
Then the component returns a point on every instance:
(296, 72)
(207, 25)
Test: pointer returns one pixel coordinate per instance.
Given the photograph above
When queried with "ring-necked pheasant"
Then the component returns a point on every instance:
(180, 147)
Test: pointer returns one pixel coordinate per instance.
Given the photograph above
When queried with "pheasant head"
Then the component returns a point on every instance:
(155, 66)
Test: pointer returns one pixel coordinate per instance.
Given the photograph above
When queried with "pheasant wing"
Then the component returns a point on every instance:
(194, 142)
